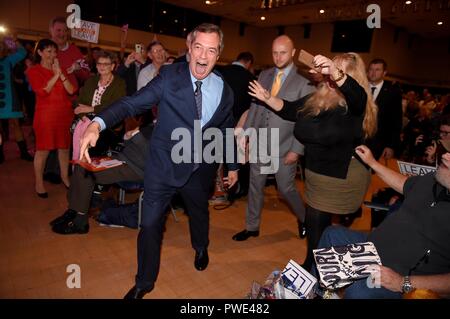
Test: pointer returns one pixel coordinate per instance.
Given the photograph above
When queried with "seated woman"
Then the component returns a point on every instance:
(330, 123)
(97, 93)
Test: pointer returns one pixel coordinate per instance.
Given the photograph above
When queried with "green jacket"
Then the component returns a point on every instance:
(114, 91)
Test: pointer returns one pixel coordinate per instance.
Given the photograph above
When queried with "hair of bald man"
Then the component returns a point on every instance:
(284, 38)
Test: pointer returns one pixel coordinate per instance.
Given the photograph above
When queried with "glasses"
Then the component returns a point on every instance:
(103, 64)
(444, 133)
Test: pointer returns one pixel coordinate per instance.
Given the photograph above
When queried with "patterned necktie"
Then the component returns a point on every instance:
(276, 84)
(198, 98)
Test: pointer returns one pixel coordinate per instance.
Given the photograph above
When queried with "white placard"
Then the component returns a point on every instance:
(88, 31)
(341, 265)
(298, 283)
(412, 169)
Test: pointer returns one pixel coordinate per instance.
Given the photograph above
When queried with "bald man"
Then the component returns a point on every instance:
(283, 81)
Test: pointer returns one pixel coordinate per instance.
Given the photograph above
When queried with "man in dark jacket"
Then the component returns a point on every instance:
(389, 101)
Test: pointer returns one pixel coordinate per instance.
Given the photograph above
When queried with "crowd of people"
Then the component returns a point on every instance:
(86, 106)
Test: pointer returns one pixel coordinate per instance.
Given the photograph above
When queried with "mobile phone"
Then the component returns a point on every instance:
(306, 58)
(138, 48)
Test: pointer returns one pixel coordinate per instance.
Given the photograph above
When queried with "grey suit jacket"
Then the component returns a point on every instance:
(259, 116)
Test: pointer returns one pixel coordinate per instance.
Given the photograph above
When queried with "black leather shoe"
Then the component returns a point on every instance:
(201, 259)
(68, 216)
(245, 234)
(68, 228)
(301, 230)
(137, 293)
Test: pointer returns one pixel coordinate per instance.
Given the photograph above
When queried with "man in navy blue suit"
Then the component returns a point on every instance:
(184, 92)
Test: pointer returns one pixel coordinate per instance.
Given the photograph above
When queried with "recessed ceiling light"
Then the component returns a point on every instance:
(100, 17)
(440, 23)
(208, 2)
(263, 18)
(164, 12)
(321, 11)
(2, 29)
(408, 2)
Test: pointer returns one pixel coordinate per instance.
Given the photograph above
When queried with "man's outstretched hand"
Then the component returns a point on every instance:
(88, 140)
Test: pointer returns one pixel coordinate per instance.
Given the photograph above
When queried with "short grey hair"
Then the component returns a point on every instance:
(209, 28)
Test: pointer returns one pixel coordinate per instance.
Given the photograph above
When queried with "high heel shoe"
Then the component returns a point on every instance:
(42, 195)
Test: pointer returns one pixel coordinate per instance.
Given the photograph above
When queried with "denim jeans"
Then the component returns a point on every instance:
(340, 236)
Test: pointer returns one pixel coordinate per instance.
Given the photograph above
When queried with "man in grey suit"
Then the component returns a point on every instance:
(283, 81)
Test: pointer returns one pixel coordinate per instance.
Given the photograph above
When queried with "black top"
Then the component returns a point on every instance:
(331, 136)
(422, 223)
(238, 78)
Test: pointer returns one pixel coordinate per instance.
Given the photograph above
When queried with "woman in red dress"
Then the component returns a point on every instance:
(54, 114)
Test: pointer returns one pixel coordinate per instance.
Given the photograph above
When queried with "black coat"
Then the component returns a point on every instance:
(390, 120)
(238, 78)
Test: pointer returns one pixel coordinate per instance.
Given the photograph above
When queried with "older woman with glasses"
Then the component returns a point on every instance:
(98, 92)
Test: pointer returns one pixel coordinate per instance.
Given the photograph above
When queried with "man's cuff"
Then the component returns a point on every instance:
(100, 121)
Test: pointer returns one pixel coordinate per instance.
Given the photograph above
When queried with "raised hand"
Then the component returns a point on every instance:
(130, 59)
(256, 90)
(324, 64)
(56, 68)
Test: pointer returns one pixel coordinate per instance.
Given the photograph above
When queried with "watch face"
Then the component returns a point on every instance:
(407, 288)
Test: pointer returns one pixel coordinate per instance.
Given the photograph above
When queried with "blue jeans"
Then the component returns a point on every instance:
(340, 236)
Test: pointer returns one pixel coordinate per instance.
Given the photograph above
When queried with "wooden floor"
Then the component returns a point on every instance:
(33, 259)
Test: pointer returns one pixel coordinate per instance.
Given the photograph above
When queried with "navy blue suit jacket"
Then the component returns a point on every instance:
(173, 92)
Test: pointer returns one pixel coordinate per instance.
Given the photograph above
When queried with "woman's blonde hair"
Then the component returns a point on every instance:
(325, 98)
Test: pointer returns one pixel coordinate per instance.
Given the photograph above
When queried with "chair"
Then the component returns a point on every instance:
(138, 186)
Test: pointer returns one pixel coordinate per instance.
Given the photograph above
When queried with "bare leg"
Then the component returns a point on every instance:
(39, 164)
(18, 133)
(63, 157)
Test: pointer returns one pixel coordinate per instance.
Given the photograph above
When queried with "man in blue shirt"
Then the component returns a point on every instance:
(189, 97)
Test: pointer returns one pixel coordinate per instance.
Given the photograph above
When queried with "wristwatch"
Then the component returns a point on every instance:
(407, 286)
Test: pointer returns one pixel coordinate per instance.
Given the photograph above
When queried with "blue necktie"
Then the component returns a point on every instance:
(198, 98)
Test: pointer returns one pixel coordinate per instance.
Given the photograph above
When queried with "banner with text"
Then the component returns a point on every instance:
(412, 169)
(88, 31)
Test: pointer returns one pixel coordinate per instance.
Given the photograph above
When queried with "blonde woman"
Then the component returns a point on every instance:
(330, 123)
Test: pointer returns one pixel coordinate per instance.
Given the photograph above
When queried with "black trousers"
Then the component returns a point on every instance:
(82, 183)
(157, 196)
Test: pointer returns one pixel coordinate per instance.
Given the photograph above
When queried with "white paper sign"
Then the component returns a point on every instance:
(88, 31)
(298, 283)
(412, 169)
(341, 265)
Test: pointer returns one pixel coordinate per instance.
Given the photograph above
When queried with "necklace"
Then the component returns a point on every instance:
(107, 82)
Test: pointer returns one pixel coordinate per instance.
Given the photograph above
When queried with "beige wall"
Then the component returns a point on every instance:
(427, 62)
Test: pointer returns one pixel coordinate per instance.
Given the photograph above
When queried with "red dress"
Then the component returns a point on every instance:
(54, 113)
